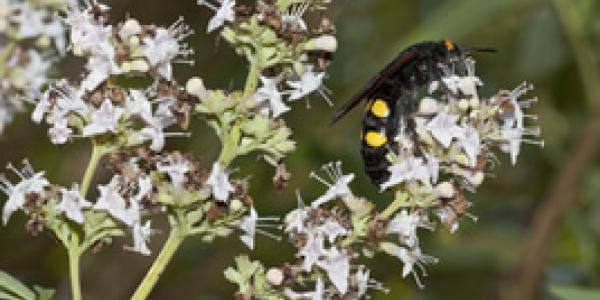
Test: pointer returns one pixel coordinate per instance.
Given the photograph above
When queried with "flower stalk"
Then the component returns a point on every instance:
(74, 259)
(164, 257)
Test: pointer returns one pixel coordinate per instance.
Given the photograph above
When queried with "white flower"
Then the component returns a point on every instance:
(405, 225)
(411, 258)
(101, 66)
(72, 204)
(309, 82)
(137, 104)
(409, 169)
(177, 167)
(160, 50)
(312, 251)
(332, 229)
(60, 132)
(104, 120)
(292, 17)
(317, 294)
(269, 91)
(130, 28)
(443, 127)
(218, 180)
(30, 183)
(113, 202)
(465, 84)
(141, 235)
(338, 186)
(470, 143)
(337, 266)
(41, 107)
(296, 218)
(250, 226)
(224, 13)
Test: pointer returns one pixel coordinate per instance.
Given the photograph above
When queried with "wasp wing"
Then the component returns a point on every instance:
(373, 85)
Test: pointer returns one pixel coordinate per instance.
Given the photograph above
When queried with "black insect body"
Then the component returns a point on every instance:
(392, 97)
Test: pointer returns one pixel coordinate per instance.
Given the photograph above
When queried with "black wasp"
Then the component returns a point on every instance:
(393, 93)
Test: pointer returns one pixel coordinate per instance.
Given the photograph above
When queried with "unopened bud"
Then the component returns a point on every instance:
(275, 276)
(428, 106)
(444, 190)
(131, 27)
(324, 43)
(195, 86)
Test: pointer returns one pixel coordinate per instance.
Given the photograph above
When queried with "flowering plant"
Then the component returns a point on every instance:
(128, 105)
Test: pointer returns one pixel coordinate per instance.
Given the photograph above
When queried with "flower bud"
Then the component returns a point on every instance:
(275, 276)
(324, 43)
(428, 106)
(444, 190)
(236, 205)
(195, 86)
(131, 27)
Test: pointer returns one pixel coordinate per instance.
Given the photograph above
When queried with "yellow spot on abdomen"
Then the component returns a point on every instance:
(375, 139)
(380, 108)
(449, 45)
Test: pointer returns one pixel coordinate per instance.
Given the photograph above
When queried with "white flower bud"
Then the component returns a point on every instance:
(324, 43)
(195, 86)
(140, 65)
(444, 190)
(476, 178)
(275, 276)
(428, 106)
(236, 205)
(131, 27)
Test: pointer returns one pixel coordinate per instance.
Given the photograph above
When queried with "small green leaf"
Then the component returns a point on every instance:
(43, 293)
(12, 285)
(565, 292)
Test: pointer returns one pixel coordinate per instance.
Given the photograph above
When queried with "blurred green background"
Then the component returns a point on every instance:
(553, 44)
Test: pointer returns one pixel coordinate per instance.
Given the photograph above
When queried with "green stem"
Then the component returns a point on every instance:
(4, 54)
(231, 142)
(159, 265)
(399, 202)
(74, 257)
(98, 152)
(252, 79)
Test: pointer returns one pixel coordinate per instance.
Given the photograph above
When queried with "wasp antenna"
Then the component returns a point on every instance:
(483, 49)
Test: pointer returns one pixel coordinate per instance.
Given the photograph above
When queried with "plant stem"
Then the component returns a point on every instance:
(399, 202)
(252, 79)
(74, 257)
(98, 152)
(159, 265)
(231, 141)
(4, 54)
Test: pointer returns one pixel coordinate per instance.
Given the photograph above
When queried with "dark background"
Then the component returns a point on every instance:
(543, 214)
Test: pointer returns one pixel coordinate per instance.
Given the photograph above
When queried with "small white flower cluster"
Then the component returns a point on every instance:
(99, 106)
(127, 49)
(453, 138)
(128, 116)
(283, 44)
(31, 34)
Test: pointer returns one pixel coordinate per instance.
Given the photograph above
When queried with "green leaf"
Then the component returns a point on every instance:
(43, 293)
(565, 292)
(12, 285)
(7, 296)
